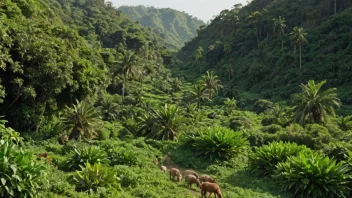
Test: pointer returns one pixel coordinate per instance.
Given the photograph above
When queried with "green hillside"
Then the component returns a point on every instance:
(248, 51)
(93, 105)
(174, 26)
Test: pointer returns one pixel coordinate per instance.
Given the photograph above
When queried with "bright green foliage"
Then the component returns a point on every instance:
(20, 175)
(8, 134)
(230, 105)
(312, 175)
(124, 156)
(218, 143)
(109, 109)
(93, 177)
(264, 159)
(314, 104)
(198, 93)
(81, 121)
(169, 120)
(90, 154)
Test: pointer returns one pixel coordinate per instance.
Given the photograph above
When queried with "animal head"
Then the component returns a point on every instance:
(179, 176)
(198, 182)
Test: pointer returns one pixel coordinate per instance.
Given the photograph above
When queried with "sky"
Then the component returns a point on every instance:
(202, 9)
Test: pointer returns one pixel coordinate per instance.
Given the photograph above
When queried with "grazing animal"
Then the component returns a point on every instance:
(191, 179)
(44, 155)
(210, 187)
(206, 178)
(175, 172)
(190, 172)
(163, 169)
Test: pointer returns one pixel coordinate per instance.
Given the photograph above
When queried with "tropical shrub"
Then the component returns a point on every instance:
(92, 177)
(7, 133)
(91, 154)
(312, 175)
(20, 174)
(240, 122)
(124, 156)
(218, 143)
(313, 135)
(261, 106)
(274, 128)
(264, 159)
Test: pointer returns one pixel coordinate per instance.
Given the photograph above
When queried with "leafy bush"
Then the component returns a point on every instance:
(125, 156)
(261, 106)
(312, 175)
(264, 159)
(91, 177)
(7, 133)
(313, 135)
(218, 143)
(20, 175)
(271, 128)
(91, 154)
(240, 122)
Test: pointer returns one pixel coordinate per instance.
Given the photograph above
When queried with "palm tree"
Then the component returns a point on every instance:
(231, 91)
(230, 104)
(176, 84)
(229, 71)
(314, 104)
(345, 123)
(279, 28)
(82, 120)
(254, 18)
(170, 120)
(198, 93)
(108, 109)
(199, 56)
(128, 61)
(211, 83)
(298, 35)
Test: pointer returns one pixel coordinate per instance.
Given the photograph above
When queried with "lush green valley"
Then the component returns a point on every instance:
(94, 105)
(173, 26)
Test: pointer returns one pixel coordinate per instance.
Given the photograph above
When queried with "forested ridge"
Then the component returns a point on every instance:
(254, 47)
(94, 105)
(173, 26)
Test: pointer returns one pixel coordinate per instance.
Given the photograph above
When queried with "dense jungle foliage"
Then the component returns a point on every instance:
(173, 26)
(257, 47)
(92, 104)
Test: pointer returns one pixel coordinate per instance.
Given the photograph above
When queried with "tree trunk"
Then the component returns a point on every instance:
(123, 87)
(294, 49)
(300, 55)
(282, 44)
(335, 5)
(198, 103)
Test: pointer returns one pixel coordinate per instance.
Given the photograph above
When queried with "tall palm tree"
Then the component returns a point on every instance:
(211, 83)
(298, 35)
(170, 120)
(229, 71)
(81, 120)
(199, 56)
(314, 104)
(198, 93)
(127, 61)
(230, 104)
(254, 18)
(279, 28)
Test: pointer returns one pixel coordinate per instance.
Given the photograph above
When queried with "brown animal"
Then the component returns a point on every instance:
(175, 172)
(163, 169)
(44, 155)
(190, 172)
(210, 187)
(206, 178)
(191, 179)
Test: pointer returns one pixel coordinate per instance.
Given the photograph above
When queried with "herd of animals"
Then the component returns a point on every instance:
(205, 182)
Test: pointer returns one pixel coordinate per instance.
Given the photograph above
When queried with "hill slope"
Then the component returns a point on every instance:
(241, 46)
(174, 26)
